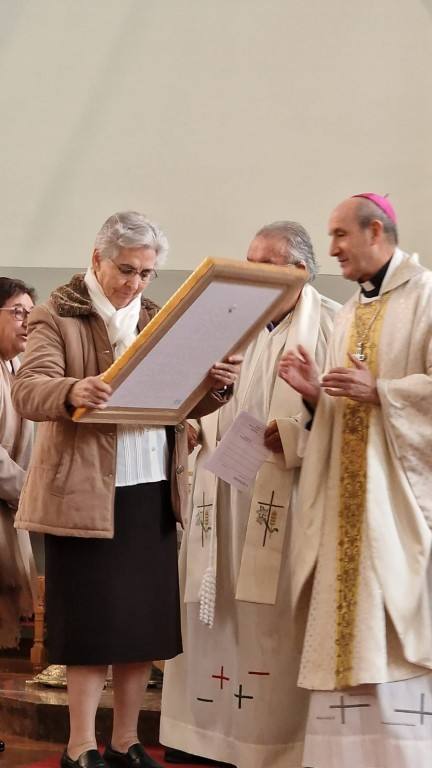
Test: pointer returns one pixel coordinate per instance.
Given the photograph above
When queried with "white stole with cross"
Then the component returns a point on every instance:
(262, 552)
(202, 533)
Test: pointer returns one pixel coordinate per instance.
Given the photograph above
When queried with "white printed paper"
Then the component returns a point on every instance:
(240, 453)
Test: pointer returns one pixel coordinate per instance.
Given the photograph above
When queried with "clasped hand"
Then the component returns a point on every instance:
(356, 383)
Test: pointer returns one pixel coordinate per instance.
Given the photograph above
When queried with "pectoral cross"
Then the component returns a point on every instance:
(360, 354)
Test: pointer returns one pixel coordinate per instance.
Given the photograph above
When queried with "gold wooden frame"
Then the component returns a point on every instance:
(289, 279)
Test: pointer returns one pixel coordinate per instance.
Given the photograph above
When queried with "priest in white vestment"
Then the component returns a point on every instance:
(361, 537)
(232, 695)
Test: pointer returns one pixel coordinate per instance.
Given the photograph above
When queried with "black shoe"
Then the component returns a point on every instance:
(177, 756)
(89, 759)
(135, 757)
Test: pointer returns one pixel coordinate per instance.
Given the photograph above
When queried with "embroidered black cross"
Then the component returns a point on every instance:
(342, 706)
(422, 712)
(203, 518)
(266, 515)
(240, 696)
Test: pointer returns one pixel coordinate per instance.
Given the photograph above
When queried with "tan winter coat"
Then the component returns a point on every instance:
(69, 490)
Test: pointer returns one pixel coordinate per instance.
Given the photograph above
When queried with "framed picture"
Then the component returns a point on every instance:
(215, 313)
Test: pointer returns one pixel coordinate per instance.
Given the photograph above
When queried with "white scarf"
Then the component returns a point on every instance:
(121, 323)
(136, 460)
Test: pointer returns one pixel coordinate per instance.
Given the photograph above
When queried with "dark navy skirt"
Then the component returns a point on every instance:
(116, 600)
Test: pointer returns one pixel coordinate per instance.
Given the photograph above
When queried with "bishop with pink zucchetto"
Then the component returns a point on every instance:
(382, 202)
(362, 526)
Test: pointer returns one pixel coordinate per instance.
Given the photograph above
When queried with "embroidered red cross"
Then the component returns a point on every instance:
(221, 677)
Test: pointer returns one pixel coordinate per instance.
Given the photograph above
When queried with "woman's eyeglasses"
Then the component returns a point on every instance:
(21, 313)
(145, 276)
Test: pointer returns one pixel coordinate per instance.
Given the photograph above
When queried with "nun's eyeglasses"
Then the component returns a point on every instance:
(145, 276)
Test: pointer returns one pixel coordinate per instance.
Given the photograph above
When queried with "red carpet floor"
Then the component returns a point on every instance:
(155, 752)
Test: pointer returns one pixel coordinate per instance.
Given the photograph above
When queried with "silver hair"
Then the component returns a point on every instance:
(299, 246)
(367, 211)
(130, 229)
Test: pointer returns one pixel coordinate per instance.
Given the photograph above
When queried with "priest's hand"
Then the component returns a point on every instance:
(90, 392)
(226, 373)
(356, 383)
(192, 437)
(272, 439)
(300, 371)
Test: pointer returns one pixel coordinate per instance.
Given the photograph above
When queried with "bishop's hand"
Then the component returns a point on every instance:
(300, 371)
(356, 383)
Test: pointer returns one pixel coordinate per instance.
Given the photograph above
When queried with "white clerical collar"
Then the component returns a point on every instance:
(371, 288)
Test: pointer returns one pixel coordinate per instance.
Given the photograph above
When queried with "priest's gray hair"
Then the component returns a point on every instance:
(130, 229)
(298, 245)
(367, 212)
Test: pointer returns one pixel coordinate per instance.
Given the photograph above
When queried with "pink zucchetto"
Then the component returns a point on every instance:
(382, 202)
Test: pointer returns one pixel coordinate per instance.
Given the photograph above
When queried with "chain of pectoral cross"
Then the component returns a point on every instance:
(362, 334)
(203, 518)
(265, 512)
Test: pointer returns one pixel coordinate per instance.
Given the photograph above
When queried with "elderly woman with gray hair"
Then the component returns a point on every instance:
(106, 496)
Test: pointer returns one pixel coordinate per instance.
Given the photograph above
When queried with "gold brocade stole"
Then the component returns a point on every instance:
(366, 326)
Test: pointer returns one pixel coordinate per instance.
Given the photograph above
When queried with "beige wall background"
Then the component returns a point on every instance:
(212, 116)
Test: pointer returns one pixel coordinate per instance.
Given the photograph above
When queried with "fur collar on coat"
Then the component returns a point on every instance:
(73, 300)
